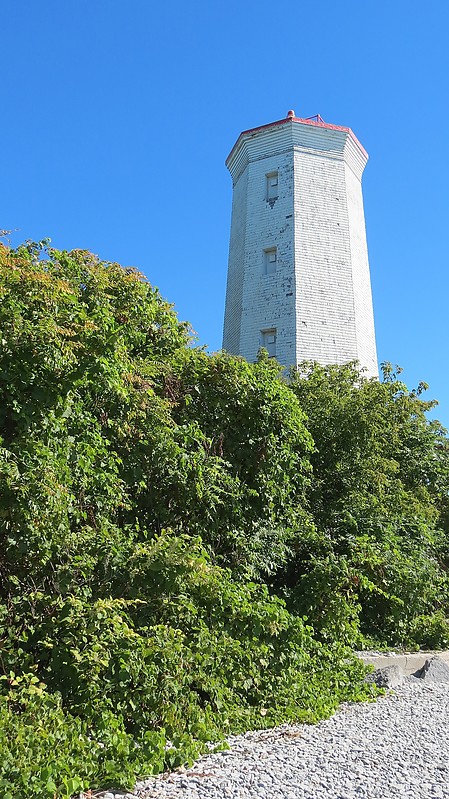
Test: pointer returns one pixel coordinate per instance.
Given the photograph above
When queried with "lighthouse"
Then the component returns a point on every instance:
(298, 274)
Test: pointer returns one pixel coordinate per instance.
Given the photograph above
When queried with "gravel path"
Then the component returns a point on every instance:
(394, 748)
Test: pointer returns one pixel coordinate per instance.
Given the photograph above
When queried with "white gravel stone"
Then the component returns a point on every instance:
(394, 748)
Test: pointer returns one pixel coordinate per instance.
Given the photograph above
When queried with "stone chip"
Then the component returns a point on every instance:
(434, 670)
(387, 677)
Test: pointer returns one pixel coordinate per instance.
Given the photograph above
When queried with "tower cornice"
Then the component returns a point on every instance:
(341, 137)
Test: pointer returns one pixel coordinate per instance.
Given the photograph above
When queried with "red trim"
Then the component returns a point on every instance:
(312, 122)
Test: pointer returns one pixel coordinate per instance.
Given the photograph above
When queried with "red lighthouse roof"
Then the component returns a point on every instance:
(315, 121)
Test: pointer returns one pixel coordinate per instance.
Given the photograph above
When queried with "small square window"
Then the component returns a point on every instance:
(272, 188)
(268, 338)
(270, 258)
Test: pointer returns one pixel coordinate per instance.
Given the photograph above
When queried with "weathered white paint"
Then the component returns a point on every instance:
(318, 299)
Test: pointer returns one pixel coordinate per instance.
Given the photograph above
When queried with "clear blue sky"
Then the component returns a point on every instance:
(118, 115)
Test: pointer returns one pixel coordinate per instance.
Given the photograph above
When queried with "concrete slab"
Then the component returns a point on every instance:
(407, 662)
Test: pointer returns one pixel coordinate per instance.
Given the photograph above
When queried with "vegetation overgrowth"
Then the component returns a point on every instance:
(191, 545)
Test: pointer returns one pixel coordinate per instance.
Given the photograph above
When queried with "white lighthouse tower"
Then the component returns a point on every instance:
(298, 275)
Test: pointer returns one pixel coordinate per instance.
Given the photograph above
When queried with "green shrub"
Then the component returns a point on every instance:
(190, 545)
(378, 499)
(48, 752)
(430, 632)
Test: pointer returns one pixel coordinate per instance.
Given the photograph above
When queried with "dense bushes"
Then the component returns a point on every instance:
(379, 495)
(190, 543)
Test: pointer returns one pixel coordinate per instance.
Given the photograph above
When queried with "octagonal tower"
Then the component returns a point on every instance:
(298, 274)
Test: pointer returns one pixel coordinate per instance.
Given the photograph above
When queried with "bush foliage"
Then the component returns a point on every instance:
(191, 545)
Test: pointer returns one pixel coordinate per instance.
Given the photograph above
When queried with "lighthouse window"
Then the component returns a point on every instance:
(270, 260)
(269, 341)
(272, 186)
